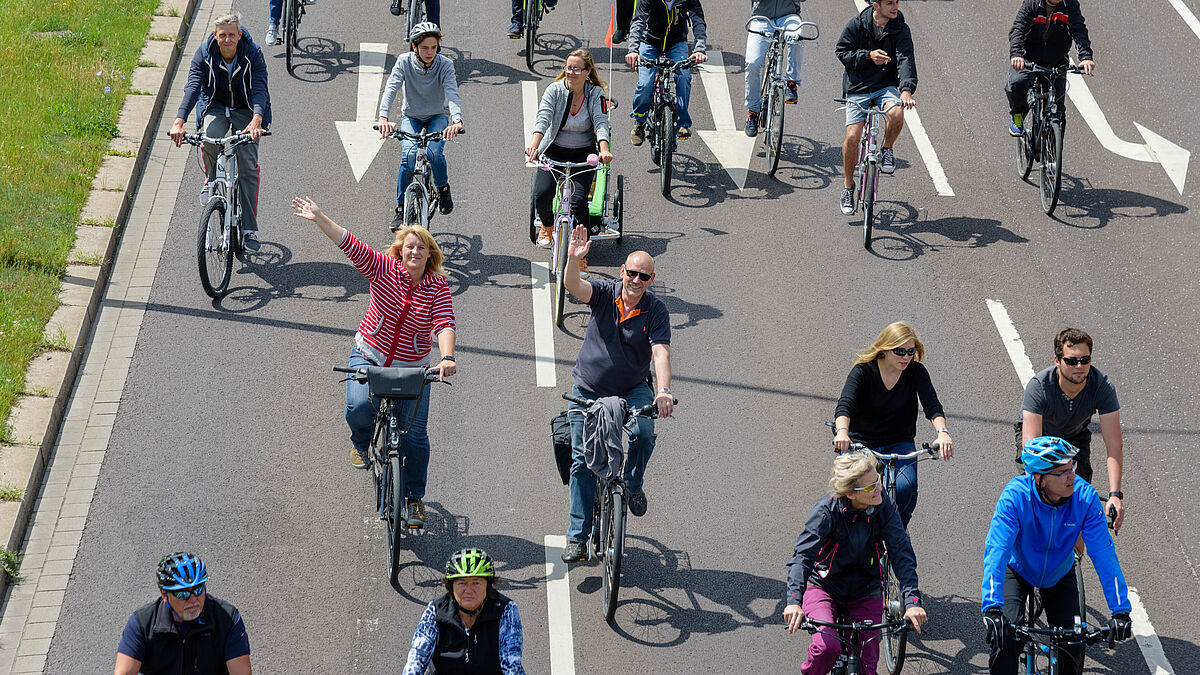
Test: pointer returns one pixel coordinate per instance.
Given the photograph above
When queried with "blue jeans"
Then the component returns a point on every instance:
(360, 416)
(756, 51)
(906, 478)
(274, 11)
(583, 481)
(643, 95)
(437, 158)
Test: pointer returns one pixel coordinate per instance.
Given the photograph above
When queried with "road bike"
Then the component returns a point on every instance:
(870, 155)
(606, 213)
(607, 540)
(293, 13)
(774, 77)
(421, 196)
(661, 123)
(386, 458)
(849, 662)
(1041, 138)
(531, 15)
(1043, 645)
(220, 235)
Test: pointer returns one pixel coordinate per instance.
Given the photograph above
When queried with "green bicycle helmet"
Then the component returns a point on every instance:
(470, 562)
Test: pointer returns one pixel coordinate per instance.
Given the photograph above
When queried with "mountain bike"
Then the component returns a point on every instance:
(531, 16)
(293, 13)
(421, 196)
(220, 234)
(1041, 139)
(386, 458)
(661, 125)
(774, 77)
(607, 540)
(870, 155)
(1042, 645)
(849, 662)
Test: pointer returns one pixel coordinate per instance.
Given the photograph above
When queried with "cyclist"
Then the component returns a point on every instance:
(227, 85)
(409, 301)
(877, 50)
(274, 12)
(780, 14)
(878, 406)
(835, 567)
(1042, 34)
(624, 11)
(660, 29)
(572, 121)
(630, 329)
(518, 13)
(1029, 546)
(430, 105)
(470, 629)
(433, 10)
(184, 627)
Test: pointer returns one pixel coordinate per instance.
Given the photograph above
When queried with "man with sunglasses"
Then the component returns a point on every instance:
(1059, 401)
(629, 331)
(184, 627)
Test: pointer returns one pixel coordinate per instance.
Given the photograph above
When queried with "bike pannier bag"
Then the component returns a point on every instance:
(560, 435)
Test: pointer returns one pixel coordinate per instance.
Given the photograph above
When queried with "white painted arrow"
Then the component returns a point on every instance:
(362, 142)
(731, 146)
(1156, 149)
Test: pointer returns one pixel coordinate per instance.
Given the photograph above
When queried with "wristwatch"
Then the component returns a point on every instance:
(1116, 493)
(944, 430)
(664, 390)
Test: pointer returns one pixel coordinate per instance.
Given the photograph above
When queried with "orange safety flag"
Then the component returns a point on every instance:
(612, 22)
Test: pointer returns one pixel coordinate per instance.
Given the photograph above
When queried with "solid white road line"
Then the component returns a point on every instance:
(558, 608)
(1188, 17)
(543, 324)
(1143, 632)
(529, 104)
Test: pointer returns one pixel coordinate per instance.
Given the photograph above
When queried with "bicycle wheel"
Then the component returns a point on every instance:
(893, 641)
(561, 238)
(289, 31)
(1024, 149)
(774, 136)
(1079, 589)
(533, 226)
(214, 251)
(1051, 167)
(870, 176)
(619, 208)
(377, 456)
(416, 14)
(651, 127)
(396, 516)
(533, 16)
(614, 553)
(666, 131)
(416, 206)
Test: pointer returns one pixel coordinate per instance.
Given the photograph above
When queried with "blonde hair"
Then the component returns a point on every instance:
(847, 469)
(896, 334)
(593, 74)
(434, 264)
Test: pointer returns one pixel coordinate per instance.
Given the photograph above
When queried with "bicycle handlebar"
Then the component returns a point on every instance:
(666, 63)
(235, 139)
(1056, 70)
(1064, 636)
(789, 34)
(930, 449)
(360, 374)
(649, 410)
(423, 137)
(813, 625)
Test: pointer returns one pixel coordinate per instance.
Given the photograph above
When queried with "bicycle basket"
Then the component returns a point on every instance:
(402, 383)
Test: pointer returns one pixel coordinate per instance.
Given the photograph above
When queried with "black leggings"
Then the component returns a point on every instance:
(581, 183)
(1060, 604)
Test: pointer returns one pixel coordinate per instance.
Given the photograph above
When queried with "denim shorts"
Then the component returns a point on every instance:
(883, 98)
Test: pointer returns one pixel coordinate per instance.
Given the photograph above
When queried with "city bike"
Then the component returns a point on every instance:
(1043, 645)
(774, 78)
(220, 235)
(1041, 138)
(661, 122)
(386, 458)
(532, 15)
(849, 662)
(607, 540)
(421, 196)
(416, 14)
(870, 155)
(293, 13)
(606, 211)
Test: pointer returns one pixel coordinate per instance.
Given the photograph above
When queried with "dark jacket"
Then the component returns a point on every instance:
(663, 23)
(209, 83)
(474, 654)
(774, 9)
(201, 651)
(1045, 38)
(858, 40)
(840, 548)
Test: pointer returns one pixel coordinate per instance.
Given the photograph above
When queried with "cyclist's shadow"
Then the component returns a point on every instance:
(1079, 203)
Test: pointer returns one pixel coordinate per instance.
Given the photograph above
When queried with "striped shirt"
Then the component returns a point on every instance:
(429, 308)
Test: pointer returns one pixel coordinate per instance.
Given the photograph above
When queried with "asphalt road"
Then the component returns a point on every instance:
(230, 441)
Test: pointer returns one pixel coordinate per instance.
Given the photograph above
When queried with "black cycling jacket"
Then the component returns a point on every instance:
(663, 23)
(1044, 37)
(858, 41)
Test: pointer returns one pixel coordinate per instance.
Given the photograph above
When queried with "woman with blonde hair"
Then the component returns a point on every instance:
(878, 406)
(410, 302)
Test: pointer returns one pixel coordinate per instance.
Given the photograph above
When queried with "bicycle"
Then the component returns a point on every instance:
(421, 195)
(607, 218)
(661, 127)
(850, 660)
(1041, 138)
(1043, 644)
(870, 155)
(293, 13)
(385, 456)
(774, 76)
(894, 643)
(416, 14)
(607, 540)
(532, 17)
(220, 234)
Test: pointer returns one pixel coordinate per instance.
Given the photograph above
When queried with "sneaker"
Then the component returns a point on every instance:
(356, 459)
(752, 124)
(684, 133)
(888, 163)
(550, 4)
(398, 220)
(514, 31)
(583, 269)
(416, 513)
(848, 200)
(545, 235)
(395, 8)
(637, 504)
(272, 35)
(445, 202)
(619, 36)
(637, 134)
(250, 241)
(792, 92)
(1015, 127)
(574, 552)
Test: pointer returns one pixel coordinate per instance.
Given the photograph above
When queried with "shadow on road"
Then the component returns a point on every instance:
(898, 233)
(318, 59)
(1084, 207)
(552, 50)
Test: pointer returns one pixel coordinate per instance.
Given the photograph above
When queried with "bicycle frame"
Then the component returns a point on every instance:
(1048, 642)
(422, 173)
(849, 634)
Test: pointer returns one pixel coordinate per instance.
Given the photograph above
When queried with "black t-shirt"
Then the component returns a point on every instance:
(881, 416)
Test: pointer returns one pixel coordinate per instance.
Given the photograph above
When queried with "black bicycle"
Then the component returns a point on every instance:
(1041, 138)
(385, 456)
(293, 13)
(661, 123)
(1043, 645)
(849, 662)
(421, 196)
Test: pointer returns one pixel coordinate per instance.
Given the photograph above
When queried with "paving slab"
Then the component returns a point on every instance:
(149, 80)
(47, 373)
(115, 173)
(103, 207)
(79, 285)
(166, 25)
(30, 420)
(177, 7)
(70, 319)
(134, 118)
(158, 52)
(17, 464)
(92, 242)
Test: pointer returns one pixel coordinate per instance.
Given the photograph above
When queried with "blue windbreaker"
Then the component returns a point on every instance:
(1038, 541)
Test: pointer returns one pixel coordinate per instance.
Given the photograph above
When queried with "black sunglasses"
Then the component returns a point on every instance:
(901, 351)
(1077, 360)
(188, 592)
(634, 274)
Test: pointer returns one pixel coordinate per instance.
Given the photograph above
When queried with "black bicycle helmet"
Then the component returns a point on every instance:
(181, 570)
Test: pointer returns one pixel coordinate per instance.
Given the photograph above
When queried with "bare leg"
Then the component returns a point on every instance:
(850, 153)
(895, 122)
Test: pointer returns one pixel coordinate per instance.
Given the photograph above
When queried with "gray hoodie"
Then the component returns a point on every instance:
(774, 9)
(553, 109)
(427, 91)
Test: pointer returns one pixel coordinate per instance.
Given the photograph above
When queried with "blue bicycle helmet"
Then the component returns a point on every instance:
(1044, 453)
(181, 570)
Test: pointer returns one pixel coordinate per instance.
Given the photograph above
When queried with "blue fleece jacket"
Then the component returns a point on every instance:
(209, 81)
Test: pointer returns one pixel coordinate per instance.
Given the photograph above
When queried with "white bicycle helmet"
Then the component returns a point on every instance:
(422, 30)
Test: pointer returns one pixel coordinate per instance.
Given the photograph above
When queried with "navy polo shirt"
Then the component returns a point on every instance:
(615, 355)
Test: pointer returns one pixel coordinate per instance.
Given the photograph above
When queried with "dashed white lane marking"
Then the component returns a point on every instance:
(1188, 17)
(543, 324)
(529, 106)
(558, 608)
(1143, 631)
